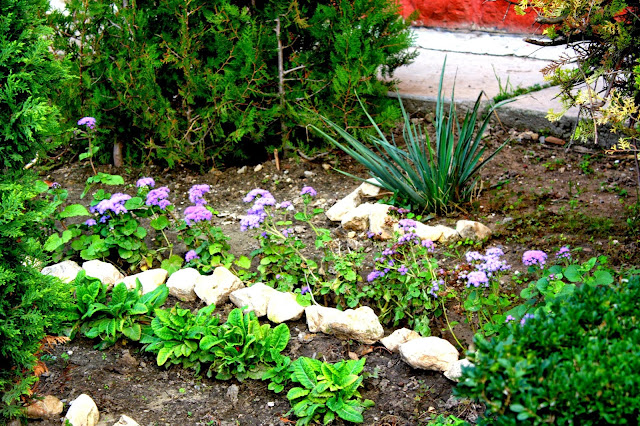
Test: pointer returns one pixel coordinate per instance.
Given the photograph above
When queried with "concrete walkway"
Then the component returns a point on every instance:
(480, 61)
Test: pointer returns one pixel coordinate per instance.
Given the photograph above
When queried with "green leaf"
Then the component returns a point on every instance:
(279, 338)
(159, 223)
(40, 186)
(573, 274)
(133, 333)
(163, 355)
(304, 373)
(74, 210)
(243, 262)
(208, 342)
(295, 393)
(350, 414)
(133, 203)
(602, 278)
(140, 232)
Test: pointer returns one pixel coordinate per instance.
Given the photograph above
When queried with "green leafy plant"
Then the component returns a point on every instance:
(451, 420)
(123, 314)
(280, 375)
(432, 177)
(577, 363)
(244, 348)
(175, 336)
(327, 391)
(31, 304)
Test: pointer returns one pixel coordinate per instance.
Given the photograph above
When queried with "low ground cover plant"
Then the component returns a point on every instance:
(575, 363)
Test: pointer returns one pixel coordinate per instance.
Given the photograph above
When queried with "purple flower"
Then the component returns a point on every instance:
(304, 290)
(477, 278)
(407, 225)
(373, 275)
(407, 238)
(472, 256)
(196, 193)
(494, 252)
(388, 252)
(90, 222)
(308, 190)
(253, 220)
(286, 232)
(55, 185)
(256, 192)
(428, 244)
(287, 205)
(191, 255)
(105, 218)
(90, 122)
(435, 287)
(115, 204)
(146, 181)
(194, 214)
(534, 257)
(563, 253)
(158, 197)
(525, 318)
(371, 234)
(402, 270)
(509, 318)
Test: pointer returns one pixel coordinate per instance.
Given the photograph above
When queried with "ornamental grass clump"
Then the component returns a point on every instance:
(577, 363)
(435, 177)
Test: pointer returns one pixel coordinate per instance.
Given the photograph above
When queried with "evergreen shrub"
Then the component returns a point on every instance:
(200, 81)
(578, 364)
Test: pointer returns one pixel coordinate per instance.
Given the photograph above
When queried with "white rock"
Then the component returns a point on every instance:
(257, 168)
(473, 230)
(455, 370)
(357, 219)
(369, 188)
(398, 337)
(255, 298)
(429, 353)
(83, 412)
(360, 324)
(380, 222)
(448, 234)
(181, 284)
(215, 289)
(105, 272)
(426, 232)
(126, 421)
(241, 170)
(150, 280)
(45, 408)
(339, 209)
(284, 307)
(66, 270)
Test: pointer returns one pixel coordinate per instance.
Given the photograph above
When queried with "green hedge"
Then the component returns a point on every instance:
(198, 81)
(579, 364)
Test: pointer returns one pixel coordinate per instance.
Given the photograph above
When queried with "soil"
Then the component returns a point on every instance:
(534, 196)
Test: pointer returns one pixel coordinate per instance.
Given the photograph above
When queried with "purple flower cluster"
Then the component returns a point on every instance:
(90, 122)
(407, 225)
(534, 257)
(525, 318)
(563, 253)
(485, 265)
(435, 287)
(115, 204)
(509, 318)
(287, 231)
(158, 197)
(285, 205)
(304, 290)
(194, 214)
(146, 181)
(477, 279)
(256, 214)
(308, 190)
(90, 222)
(191, 255)
(196, 194)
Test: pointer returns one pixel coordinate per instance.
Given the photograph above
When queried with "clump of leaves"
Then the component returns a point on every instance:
(434, 178)
(176, 334)
(577, 363)
(326, 391)
(112, 318)
(244, 348)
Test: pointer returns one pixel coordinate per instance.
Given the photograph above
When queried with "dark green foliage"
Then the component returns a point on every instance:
(577, 364)
(432, 177)
(28, 74)
(31, 304)
(195, 81)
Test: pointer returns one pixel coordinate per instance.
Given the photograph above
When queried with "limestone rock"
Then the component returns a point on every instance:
(473, 230)
(181, 284)
(398, 337)
(360, 324)
(66, 270)
(150, 280)
(105, 272)
(369, 189)
(284, 307)
(339, 209)
(48, 407)
(126, 421)
(455, 370)
(429, 353)
(83, 412)
(448, 234)
(215, 289)
(426, 232)
(379, 221)
(357, 219)
(255, 298)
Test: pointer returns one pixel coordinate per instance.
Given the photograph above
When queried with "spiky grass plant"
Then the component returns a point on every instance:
(435, 177)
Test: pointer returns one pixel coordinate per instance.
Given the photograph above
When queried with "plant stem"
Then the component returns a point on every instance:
(446, 318)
